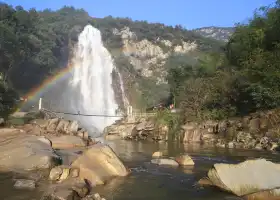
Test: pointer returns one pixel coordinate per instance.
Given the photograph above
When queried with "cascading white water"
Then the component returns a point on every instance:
(124, 98)
(91, 82)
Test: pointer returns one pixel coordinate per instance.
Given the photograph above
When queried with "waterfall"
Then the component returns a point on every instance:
(124, 98)
(87, 88)
(91, 81)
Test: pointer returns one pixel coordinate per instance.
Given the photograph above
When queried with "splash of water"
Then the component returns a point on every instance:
(91, 82)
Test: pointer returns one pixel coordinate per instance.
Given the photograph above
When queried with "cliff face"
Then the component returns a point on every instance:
(142, 60)
(217, 33)
(149, 58)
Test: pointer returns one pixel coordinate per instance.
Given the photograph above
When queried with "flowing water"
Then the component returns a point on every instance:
(151, 182)
(92, 80)
(87, 88)
(124, 98)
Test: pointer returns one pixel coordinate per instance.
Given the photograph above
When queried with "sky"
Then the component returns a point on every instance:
(188, 13)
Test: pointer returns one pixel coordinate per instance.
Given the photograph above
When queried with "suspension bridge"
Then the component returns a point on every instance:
(130, 113)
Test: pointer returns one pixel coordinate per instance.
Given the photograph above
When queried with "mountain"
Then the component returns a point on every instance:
(217, 33)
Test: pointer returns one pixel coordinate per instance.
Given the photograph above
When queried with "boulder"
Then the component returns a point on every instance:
(63, 194)
(141, 126)
(62, 125)
(40, 122)
(99, 164)
(24, 184)
(121, 131)
(67, 190)
(33, 129)
(26, 153)
(251, 178)
(157, 154)
(184, 160)
(69, 155)
(66, 142)
(165, 161)
(73, 127)
(245, 139)
(52, 124)
(62, 172)
(55, 173)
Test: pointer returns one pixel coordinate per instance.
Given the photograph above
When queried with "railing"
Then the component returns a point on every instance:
(129, 114)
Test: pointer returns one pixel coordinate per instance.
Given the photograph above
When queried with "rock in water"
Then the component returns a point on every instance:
(253, 179)
(99, 164)
(184, 160)
(164, 161)
(157, 154)
(24, 184)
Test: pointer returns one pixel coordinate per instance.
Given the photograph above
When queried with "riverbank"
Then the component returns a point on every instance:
(256, 131)
(57, 159)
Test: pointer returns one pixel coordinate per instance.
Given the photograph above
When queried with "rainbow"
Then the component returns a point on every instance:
(45, 85)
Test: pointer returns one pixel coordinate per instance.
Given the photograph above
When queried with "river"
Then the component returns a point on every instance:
(150, 182)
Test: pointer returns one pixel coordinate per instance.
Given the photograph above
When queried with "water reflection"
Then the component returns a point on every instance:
(151, 182)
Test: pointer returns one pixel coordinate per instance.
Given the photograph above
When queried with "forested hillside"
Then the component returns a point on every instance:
(35, 45)
(208, 78)
(244, 79)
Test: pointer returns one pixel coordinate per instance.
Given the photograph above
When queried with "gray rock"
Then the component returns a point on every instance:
(81, 189)
(164, 161)
(24, 184)
(64, 194)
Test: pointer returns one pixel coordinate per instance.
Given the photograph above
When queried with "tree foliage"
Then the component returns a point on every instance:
(245, 78)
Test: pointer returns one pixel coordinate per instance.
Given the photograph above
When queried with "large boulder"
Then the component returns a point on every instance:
(184, 160)
(252, 178)
(19, 151)
(99, 164)
(66, 141)
(119, 131)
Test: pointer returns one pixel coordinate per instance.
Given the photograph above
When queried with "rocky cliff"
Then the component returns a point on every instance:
(217, 33)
